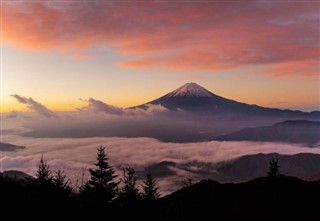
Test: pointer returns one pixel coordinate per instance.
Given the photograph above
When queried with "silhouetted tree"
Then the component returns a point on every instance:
(129, 192)
(273, 168)
(102, 178)
(150, 190)
(60, 181)
(43, 175)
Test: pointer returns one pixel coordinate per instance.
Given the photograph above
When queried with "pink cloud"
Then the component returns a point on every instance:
(184, 36)
(35, 106)
(309, 68)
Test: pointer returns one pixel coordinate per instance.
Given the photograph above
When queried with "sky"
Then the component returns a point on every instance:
(126, 53)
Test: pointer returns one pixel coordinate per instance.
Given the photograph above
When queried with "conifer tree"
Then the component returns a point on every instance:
(150, 190)
(102, 177)
(43, 175)
(273, 168)
(60, 181)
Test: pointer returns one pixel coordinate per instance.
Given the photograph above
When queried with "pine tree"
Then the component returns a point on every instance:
(101, 180)
(60, 181)
(273, 168)
(150, 190)
(43, 175)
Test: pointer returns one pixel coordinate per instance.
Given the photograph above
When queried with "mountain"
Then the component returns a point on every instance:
(190, 90)
(193, 114)
(292, 131)
(244, 168)
(250, 166)
(9, 147)
(192, 97)
(281, 198)
(314, 177)
(15, 174)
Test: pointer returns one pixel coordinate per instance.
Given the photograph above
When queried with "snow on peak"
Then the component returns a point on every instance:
(191, 90)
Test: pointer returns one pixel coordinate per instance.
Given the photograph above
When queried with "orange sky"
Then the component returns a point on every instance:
(127, 53)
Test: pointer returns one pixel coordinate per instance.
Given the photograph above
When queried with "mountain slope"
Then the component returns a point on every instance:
(241, 169)
(190, 90)
(192, 97)
(283, 198)
(250, 166)
(9, 147)
(15, 174)
(193, 114)
(293, 131)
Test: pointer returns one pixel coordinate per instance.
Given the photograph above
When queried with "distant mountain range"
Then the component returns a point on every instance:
(297, 131)
(247, 167)
(243, 168)
(9, 147)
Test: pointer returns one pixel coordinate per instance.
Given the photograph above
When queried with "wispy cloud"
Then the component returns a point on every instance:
(97, 106)
(185, 36)
(96, 118)
(34, 106)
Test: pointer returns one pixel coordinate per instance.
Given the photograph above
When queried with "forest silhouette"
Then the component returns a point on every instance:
(108, 197)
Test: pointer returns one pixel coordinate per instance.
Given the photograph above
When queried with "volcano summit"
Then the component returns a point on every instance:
(194, 98)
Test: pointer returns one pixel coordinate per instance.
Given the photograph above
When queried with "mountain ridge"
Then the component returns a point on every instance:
(190, 114)
(195, 98)
(10, 147)
(290, 131)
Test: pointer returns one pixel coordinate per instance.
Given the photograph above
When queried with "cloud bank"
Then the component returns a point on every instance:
(281, 37)
(72, 155)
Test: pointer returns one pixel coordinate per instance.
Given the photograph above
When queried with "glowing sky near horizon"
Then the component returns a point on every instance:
(130, 52)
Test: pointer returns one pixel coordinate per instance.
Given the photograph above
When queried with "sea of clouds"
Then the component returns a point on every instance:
(75, 154)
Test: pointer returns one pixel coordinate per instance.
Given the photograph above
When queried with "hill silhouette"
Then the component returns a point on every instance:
(259, 199)
(102, 197)
(9, 147)
(291, 131)
(263, 198)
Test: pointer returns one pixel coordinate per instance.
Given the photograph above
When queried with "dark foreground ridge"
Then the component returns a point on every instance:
(105, 196)
(264, 198)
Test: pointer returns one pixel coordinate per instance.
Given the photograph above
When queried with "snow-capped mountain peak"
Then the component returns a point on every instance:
(191, 90)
